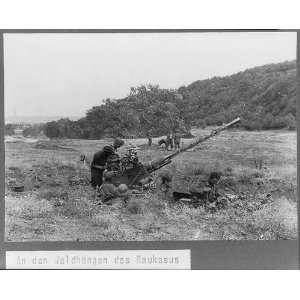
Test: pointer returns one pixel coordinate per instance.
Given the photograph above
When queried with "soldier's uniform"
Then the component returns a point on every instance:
(98, 165)
(149, 136)
(109, 193)
(169, 143)
(99, 162)
(177, 138)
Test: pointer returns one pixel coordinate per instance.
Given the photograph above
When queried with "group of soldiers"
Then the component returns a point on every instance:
(101, 178)
(171, 142)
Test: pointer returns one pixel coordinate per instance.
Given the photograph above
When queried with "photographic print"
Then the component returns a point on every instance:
(150, 136)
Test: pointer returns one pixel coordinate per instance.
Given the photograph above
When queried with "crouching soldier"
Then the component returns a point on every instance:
(109, 194)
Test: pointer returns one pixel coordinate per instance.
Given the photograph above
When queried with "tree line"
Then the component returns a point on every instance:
(264, 97)
(146, 110)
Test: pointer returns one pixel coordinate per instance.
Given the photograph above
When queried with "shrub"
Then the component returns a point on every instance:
(251, 125)
(201, 123)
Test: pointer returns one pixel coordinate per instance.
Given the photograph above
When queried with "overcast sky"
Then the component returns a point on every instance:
(66, 74)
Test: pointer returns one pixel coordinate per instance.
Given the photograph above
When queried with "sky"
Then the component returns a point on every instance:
(66, 74)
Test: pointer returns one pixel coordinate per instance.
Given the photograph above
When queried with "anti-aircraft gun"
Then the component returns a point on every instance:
(133, 173)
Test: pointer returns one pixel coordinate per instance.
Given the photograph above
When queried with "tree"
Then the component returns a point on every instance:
(290, 121)
(51, 130)
(34, 130)
(9, 129)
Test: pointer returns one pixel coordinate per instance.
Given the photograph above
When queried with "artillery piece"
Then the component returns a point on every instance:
(133, 173)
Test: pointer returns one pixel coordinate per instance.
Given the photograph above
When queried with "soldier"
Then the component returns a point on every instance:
(98, 165)
(149, 136)
(168, 142)
(177, 138)
(162, 141)
(117, 143)
(171, 141)
(99, 162)
(109, 193)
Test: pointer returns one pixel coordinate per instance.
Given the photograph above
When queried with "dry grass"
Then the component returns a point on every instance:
(53, 209)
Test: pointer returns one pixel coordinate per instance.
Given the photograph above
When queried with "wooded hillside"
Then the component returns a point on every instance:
(264, 97)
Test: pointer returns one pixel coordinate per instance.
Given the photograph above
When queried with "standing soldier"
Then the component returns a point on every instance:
(168, 142)
(149, 136)
(172, 141)
(177, 138)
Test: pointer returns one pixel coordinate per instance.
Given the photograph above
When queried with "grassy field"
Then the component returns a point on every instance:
(59, 205)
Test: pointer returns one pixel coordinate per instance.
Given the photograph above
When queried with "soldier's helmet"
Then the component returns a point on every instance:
(118, 143)
(109, 150)
(123, 188)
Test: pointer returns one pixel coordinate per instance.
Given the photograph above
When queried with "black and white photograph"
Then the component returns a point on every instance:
(150, 136)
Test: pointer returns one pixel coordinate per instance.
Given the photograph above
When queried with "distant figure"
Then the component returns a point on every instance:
(99, 162)
(169, 143)
(149, 136)
(162, 141)
(177, 139)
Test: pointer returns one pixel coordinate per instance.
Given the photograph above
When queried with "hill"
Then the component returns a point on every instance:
(264, 97)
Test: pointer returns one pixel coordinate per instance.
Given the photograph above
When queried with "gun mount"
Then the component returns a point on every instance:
(135, 173)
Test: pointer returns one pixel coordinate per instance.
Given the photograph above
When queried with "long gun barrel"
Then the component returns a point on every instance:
(167, 159)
